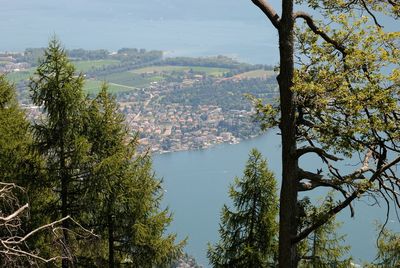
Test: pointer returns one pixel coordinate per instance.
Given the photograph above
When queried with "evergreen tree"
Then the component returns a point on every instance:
(17, 161)
(323, 249)
(388, 255)
(59, 135)
(248, 233)
(389, 249)
(125, 194)
(95, 173)
(20, 164)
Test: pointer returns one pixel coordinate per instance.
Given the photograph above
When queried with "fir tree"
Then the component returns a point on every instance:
(248, 233)
(59, 135)
(125, 194)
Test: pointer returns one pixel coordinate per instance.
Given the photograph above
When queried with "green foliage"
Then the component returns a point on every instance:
(95, 173)
(339, 99)
(19, 162)
(125, 195)
(15, 139)
(353, 88)
(387, 7)
(21, 165)
(59, 137)
(389, 249)
(323, 249)
(388, 255)
(227, 94)
(248, 233)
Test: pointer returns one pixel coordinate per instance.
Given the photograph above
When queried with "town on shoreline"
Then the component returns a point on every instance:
(173, 104)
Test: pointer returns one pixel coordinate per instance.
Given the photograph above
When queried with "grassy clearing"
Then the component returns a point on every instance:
(170, 68)
(84, 66)
(81, 66)
(255, 74)
(21, 76)
(93, 86)
(130, 79)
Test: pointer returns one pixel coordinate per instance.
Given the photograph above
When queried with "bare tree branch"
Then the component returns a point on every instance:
(321, 152)
(14, 251)
(269, 11)
(303, 234)
(364, 168)
(14, 215)
(371, 14)
(310, 22)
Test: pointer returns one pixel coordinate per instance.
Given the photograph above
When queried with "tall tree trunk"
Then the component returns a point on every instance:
(110, 238)
(288, 195)
(64, 207)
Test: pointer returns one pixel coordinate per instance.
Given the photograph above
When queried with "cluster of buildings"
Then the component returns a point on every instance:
(166, 126)
(179, 127)
(9, 64)
(169, 127)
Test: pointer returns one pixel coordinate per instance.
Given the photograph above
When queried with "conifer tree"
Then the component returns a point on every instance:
(57, 89)
(20, 164)
(125, 194)
(324, 248)
(388, 246)
(249, 231)
(17, 161)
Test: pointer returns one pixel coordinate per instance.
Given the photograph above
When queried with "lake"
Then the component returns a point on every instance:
(196, 185)
(181, 28)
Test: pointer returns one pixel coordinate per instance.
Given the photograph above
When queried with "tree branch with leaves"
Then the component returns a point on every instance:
(339, 100)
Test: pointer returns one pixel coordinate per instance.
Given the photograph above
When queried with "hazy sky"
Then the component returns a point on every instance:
(185, 27)
(235, 28)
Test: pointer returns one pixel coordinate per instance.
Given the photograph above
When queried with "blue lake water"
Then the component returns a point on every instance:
(196, 185)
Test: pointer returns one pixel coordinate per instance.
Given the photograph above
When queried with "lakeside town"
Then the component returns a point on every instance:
(183, 109)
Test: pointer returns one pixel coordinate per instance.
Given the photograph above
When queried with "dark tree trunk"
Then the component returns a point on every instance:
(288, 195)
(64, 207)
(110, 239)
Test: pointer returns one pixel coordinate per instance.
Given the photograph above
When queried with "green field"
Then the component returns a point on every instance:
(256, 74)
(170, 68)
(87, 65)
(93, 86)
(20, 76)
(130, 79)
(81, 66)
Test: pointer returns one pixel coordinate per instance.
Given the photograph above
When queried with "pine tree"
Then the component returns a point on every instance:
(59, 135)
(248, 233)
(125, 194)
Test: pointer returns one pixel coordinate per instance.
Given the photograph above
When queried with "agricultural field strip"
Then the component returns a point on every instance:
(132, 79)
(170, 68)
